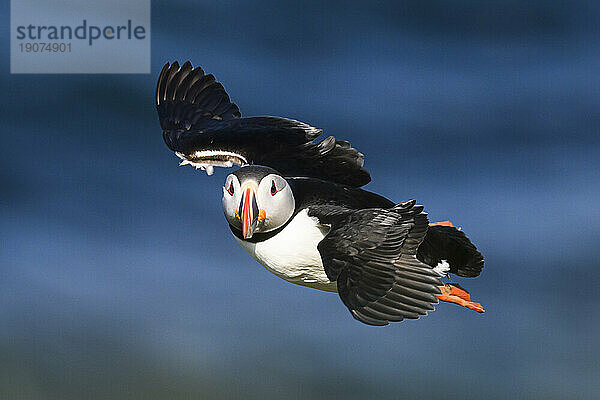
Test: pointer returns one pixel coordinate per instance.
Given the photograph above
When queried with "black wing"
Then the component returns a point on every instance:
(205, 129)
(371, 253)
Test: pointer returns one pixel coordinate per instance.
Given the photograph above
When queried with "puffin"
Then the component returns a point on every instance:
(297, 206)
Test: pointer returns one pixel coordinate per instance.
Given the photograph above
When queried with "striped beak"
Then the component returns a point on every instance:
(248, 211)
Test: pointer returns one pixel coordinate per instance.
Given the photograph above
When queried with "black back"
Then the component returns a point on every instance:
(311, 192)
(315, 192)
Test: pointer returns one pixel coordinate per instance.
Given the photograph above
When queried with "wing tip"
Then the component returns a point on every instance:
(186, 95)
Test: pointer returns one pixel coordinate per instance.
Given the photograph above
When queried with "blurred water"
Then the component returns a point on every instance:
(120, 278)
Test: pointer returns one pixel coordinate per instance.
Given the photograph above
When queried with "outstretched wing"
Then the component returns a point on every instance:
(371, 253)
(205, 129)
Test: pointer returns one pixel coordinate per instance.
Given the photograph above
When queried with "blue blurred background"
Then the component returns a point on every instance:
(120, 279)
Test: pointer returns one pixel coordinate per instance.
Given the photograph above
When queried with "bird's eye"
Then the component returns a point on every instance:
(273, 188)
(230, 189)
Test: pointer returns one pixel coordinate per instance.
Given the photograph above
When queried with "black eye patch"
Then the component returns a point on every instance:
(273, 188)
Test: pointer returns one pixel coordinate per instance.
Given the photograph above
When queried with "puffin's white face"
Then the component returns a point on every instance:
(255, 207)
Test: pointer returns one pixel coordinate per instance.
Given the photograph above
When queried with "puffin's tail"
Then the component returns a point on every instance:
(443, 242)
(448, 249)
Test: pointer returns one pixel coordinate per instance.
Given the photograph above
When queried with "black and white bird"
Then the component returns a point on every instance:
(296, 206)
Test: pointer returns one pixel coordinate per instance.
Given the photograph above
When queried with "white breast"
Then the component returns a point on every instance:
(292, 253)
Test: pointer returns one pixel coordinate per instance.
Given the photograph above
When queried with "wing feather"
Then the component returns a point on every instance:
(371, 253)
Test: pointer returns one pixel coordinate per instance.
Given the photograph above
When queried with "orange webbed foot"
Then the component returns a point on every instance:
(442, 223)
(453, 293)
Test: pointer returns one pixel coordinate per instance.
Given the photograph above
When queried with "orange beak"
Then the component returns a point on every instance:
(249, 212)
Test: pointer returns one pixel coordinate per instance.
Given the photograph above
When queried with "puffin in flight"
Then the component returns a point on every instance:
(297, 207)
